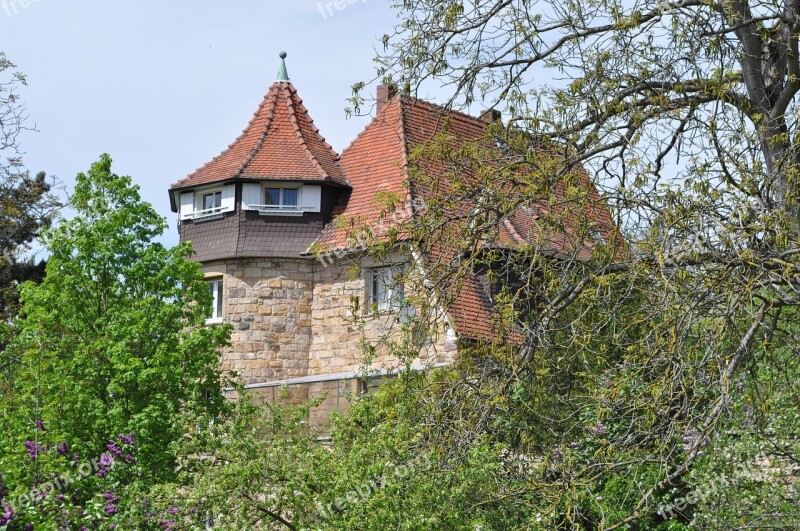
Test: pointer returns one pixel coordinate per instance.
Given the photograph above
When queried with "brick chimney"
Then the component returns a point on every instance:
(384, 94)
(490, 116)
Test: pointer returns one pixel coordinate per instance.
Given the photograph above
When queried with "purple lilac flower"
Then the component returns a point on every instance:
(61, 448)
(33, 449)
(39, 425)
(111, 509)
(598, 429)
(126, 439)
(7, 515)
(28, 527)
(129, 458)
(106, 461)
(102, 473)
(109, 497)
(114, 449)
(690, 439)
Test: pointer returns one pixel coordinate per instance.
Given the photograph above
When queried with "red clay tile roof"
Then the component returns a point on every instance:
(280, 142)
(377, 166)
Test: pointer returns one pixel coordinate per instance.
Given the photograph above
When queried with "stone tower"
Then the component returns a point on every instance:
(251, 213)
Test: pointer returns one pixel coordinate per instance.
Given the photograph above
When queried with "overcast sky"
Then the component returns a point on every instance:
(164, 86)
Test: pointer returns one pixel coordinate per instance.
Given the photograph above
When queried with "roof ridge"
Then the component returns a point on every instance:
(446, 111)
(316, 131)
(404, 154)
(366, 127)
(296, 124)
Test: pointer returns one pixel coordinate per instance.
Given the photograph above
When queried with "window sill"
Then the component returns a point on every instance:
(207, 217)
(402, 313)
(281, 212)
(214, 321)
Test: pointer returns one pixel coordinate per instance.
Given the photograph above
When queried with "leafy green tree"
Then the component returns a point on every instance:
(112, 342)
(632, 372)
(26, 203)
(264, 468)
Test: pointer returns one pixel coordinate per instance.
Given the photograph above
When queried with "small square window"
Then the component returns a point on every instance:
(386, 288)
(597, 237)
(272, 196)
(281, 197)
(212, 200)
(215, 287)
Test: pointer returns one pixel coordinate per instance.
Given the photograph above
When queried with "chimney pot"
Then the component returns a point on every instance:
(490, 116)
(384, 94)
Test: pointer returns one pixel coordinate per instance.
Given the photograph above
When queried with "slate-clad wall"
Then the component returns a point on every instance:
(246, 233)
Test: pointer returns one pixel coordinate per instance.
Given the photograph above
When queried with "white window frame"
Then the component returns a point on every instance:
(309, 198)
(214, 212)
(281, 190)
(597, 237)
(280, 208)
(215, 284)
(394, 296)
(216, 194)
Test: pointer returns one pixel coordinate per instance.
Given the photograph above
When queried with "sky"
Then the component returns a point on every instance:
(163, 87)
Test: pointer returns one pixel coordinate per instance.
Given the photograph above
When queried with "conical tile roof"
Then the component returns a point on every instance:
(280, 143)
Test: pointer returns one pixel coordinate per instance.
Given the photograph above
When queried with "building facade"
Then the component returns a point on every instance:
(275, 221)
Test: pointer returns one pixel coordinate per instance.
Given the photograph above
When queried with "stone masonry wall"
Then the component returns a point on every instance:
(268, 301)
(294, 318)
(338, 335)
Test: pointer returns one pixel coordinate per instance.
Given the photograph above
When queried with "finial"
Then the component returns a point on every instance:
(282, 74)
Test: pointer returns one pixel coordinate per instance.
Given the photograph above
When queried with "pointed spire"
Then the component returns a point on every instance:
(282, 74)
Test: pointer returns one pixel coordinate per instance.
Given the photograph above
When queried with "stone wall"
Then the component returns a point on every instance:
(268, 302)
(339, 335)
(295, 317)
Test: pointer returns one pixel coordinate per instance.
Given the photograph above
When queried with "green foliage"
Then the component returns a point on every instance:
(26, 203)
(265, 468)
(112, 341)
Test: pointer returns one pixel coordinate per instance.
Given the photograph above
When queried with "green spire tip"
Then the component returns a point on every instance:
(282, 74)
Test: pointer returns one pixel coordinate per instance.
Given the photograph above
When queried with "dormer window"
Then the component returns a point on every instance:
(207, 203)
(281, 198)
(278, 199)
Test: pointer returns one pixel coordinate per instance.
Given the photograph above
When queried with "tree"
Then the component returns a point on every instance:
(630, 370)
(26, 204)
(111, 344)
(266, 469)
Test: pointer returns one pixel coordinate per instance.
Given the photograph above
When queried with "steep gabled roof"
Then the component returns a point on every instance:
(377, 166)
(280, 143)
(375, 163)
